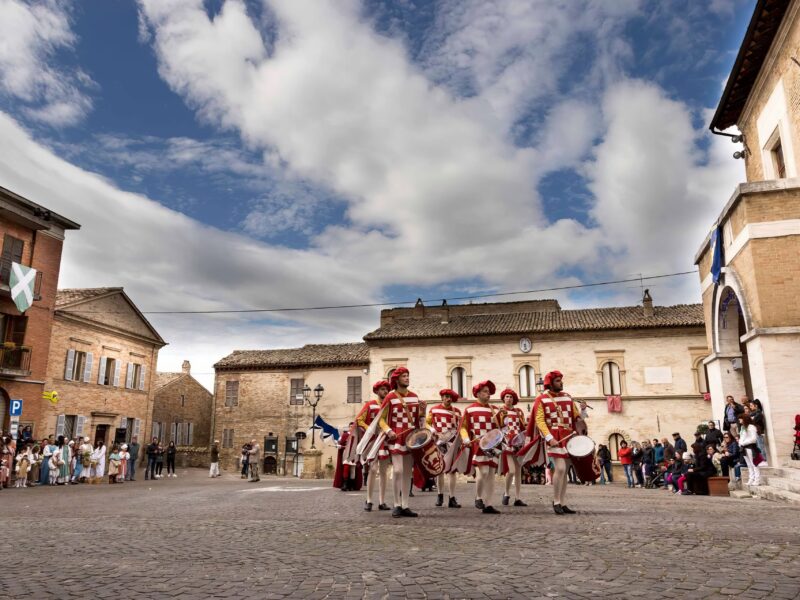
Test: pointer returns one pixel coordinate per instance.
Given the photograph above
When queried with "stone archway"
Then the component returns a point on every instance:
(730, 323)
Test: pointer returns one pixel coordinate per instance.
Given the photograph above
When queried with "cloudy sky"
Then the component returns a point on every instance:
(234, 154)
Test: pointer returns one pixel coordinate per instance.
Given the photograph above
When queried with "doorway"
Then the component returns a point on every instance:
(270, 465)
(101, 433)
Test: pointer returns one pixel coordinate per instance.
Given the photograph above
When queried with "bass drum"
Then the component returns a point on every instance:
(581, 451)
(427, 456)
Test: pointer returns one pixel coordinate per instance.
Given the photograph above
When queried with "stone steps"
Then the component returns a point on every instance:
(768, 492)
(791, 473)
(779, 484)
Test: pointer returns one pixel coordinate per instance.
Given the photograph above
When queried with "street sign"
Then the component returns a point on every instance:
(15, 408)
(14, 429)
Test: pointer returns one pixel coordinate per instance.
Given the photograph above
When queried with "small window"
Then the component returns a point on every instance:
(79, 366)
(296, 396)
(231, 393)
(227, 438)
(614, 441)
(12, 253)
(69, 426)
(183, 400)
(134, 375)
(611, 380)
(527, 381)
(110, 370)
(458, 380)
(354, 390)
(777, 160)
(702, 377)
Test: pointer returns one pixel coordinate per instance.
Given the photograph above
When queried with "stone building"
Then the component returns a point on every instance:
(752, 310)
(182, 407)
(33, 236)
(650, 357)
(258, 394)
(103, 354)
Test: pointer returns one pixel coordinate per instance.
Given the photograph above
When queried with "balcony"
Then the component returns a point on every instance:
(5, 276)
(15, 361)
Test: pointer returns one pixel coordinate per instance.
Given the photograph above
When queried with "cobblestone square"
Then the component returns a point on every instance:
(193, 537)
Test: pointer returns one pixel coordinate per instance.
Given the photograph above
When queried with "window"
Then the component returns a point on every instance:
(183, 400)
(614, 441)
(389, 374)
(611, 381)
(296, 392)
(702, 377)
(527, 382)
(227, 438)
(15, 327)
(69, 426)
(778, 161)
(12, 252)
(133, 376)
(458, 380)
(231, 393)
(354, 389)
(78, 366)
(108, 373)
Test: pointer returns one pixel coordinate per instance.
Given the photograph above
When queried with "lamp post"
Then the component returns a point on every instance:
(318, 391)
(540, 385)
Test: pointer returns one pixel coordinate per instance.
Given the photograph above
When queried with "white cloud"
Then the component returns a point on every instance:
(31, 34)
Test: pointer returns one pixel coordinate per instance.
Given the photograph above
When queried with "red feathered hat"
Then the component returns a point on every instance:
(447, 392)
(395, 374)
(548, 379)
(477, 387)
(509, 391)
(380, 384)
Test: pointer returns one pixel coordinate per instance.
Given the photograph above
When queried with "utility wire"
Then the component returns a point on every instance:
(379, 304)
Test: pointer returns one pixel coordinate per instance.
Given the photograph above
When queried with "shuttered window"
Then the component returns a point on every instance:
(227, 438)
(354, 389)
(611, 381)
(231, 393)
(296, 392)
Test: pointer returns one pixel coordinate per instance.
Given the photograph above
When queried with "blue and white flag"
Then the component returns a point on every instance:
(327, 430)
(716, 264)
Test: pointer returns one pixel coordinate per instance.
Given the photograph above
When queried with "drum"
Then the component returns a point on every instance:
(515, 444)
(427, 456)
(581, 450)
(491, 443)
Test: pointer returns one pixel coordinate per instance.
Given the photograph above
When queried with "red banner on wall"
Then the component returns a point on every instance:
(614, 404)
(707, 397)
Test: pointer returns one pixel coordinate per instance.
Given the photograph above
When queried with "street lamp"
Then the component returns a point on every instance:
(540, 385)
(318, 391)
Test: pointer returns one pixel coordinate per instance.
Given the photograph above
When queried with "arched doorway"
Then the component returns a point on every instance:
(5, 403)
(729, 327)
(270, 465)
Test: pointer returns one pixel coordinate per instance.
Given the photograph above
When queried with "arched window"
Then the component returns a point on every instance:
(389, 374)
(614, 440)
(458, 380)
(611, 382)
(702, 378)
(527, 381)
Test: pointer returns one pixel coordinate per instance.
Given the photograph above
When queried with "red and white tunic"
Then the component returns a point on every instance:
(366, 415)
(477, 420)
(514, 423)
(554, 417)
(401, 415)
(443, 420)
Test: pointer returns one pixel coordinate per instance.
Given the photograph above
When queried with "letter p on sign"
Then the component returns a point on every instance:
(16, 408)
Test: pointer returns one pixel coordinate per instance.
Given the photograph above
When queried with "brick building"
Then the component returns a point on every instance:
(183, 408)
(32, 236)
(752, 310)
(103, 355)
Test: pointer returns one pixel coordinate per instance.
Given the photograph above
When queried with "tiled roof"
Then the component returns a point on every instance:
(310, 355)
(71, 296)
(163, 379)
(589, 319)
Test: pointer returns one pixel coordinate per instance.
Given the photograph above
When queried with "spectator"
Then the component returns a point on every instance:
(47, 452)
(27, 434)
(713, 435)
(673, 472)
(680, 444)
(604, 455)
(748, 443)
(732, 412)
(658, 452)
(688, 464)
(626, 459)
(24, 461)
(245, 460)
(133, 450)
(757, 416)
(171, 452)
(55, 460)
(637, 463)
(731, 456)
(254, 456)
(697, 475)
(214, 470)
(152, 451)
(33, 474)
(113, 464)
(669, 450)
(6, 461)
(159, 461)
(648, 460)
(698, 446)
(124, 461)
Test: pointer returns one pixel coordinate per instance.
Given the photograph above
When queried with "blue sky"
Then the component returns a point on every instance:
(277, 153)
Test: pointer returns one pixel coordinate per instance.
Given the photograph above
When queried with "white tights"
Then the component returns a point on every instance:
(401, 478)
(559, 480)
(451, 484)
(484, 476)
(515, 474)
(379, 469)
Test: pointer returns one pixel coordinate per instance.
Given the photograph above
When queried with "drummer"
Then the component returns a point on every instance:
(379, 468)
(443, 419)
(512, 421)
(400, 414)
(477, 420)
(555, 416)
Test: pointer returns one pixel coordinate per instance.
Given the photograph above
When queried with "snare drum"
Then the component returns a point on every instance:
(491, 443)
(427, 456)
(581, 452)
(515, 444)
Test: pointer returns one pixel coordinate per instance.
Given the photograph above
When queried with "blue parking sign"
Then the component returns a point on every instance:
(15, 408)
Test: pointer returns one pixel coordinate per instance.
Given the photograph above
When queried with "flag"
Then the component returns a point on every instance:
(614, 404)
(22, 282)
(716, 264)
(51, 396)
(327, 430)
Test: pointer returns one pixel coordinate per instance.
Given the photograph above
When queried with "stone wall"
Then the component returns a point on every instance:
(185, 400)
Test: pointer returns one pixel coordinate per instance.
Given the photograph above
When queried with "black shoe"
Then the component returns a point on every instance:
(490, 510)
(453, 503)
(557, 509)
(505, 500)
(407, 512)
(479, 504)
(439, 499)
(567, 510)
(411, 494)
(397, 512)
(368, 506)
(383, 507)
(519, 503)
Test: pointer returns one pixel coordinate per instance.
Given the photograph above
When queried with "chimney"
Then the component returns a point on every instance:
(186, 367)
(419, 309)
(445, 312)
(647, 304)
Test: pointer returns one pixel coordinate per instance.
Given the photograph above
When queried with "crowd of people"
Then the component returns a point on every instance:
(56, 460)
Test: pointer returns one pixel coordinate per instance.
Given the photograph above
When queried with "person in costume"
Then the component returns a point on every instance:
(554, 418)
(479, 417)
(400, 413)
(444, 420)
(347, 476)
(512, 421)
(378, 468)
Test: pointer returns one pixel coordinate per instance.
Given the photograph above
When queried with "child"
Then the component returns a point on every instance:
(124, 456)
(688, 463)
(113, 464)
(159, 461)
(24, 459)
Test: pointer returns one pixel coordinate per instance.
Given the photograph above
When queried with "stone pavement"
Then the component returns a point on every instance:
(193, 537)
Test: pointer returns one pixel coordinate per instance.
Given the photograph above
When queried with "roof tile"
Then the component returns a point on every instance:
(310, 355)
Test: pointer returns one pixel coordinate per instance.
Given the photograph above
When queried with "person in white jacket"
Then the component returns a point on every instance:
(99, 461)
(748, 442)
